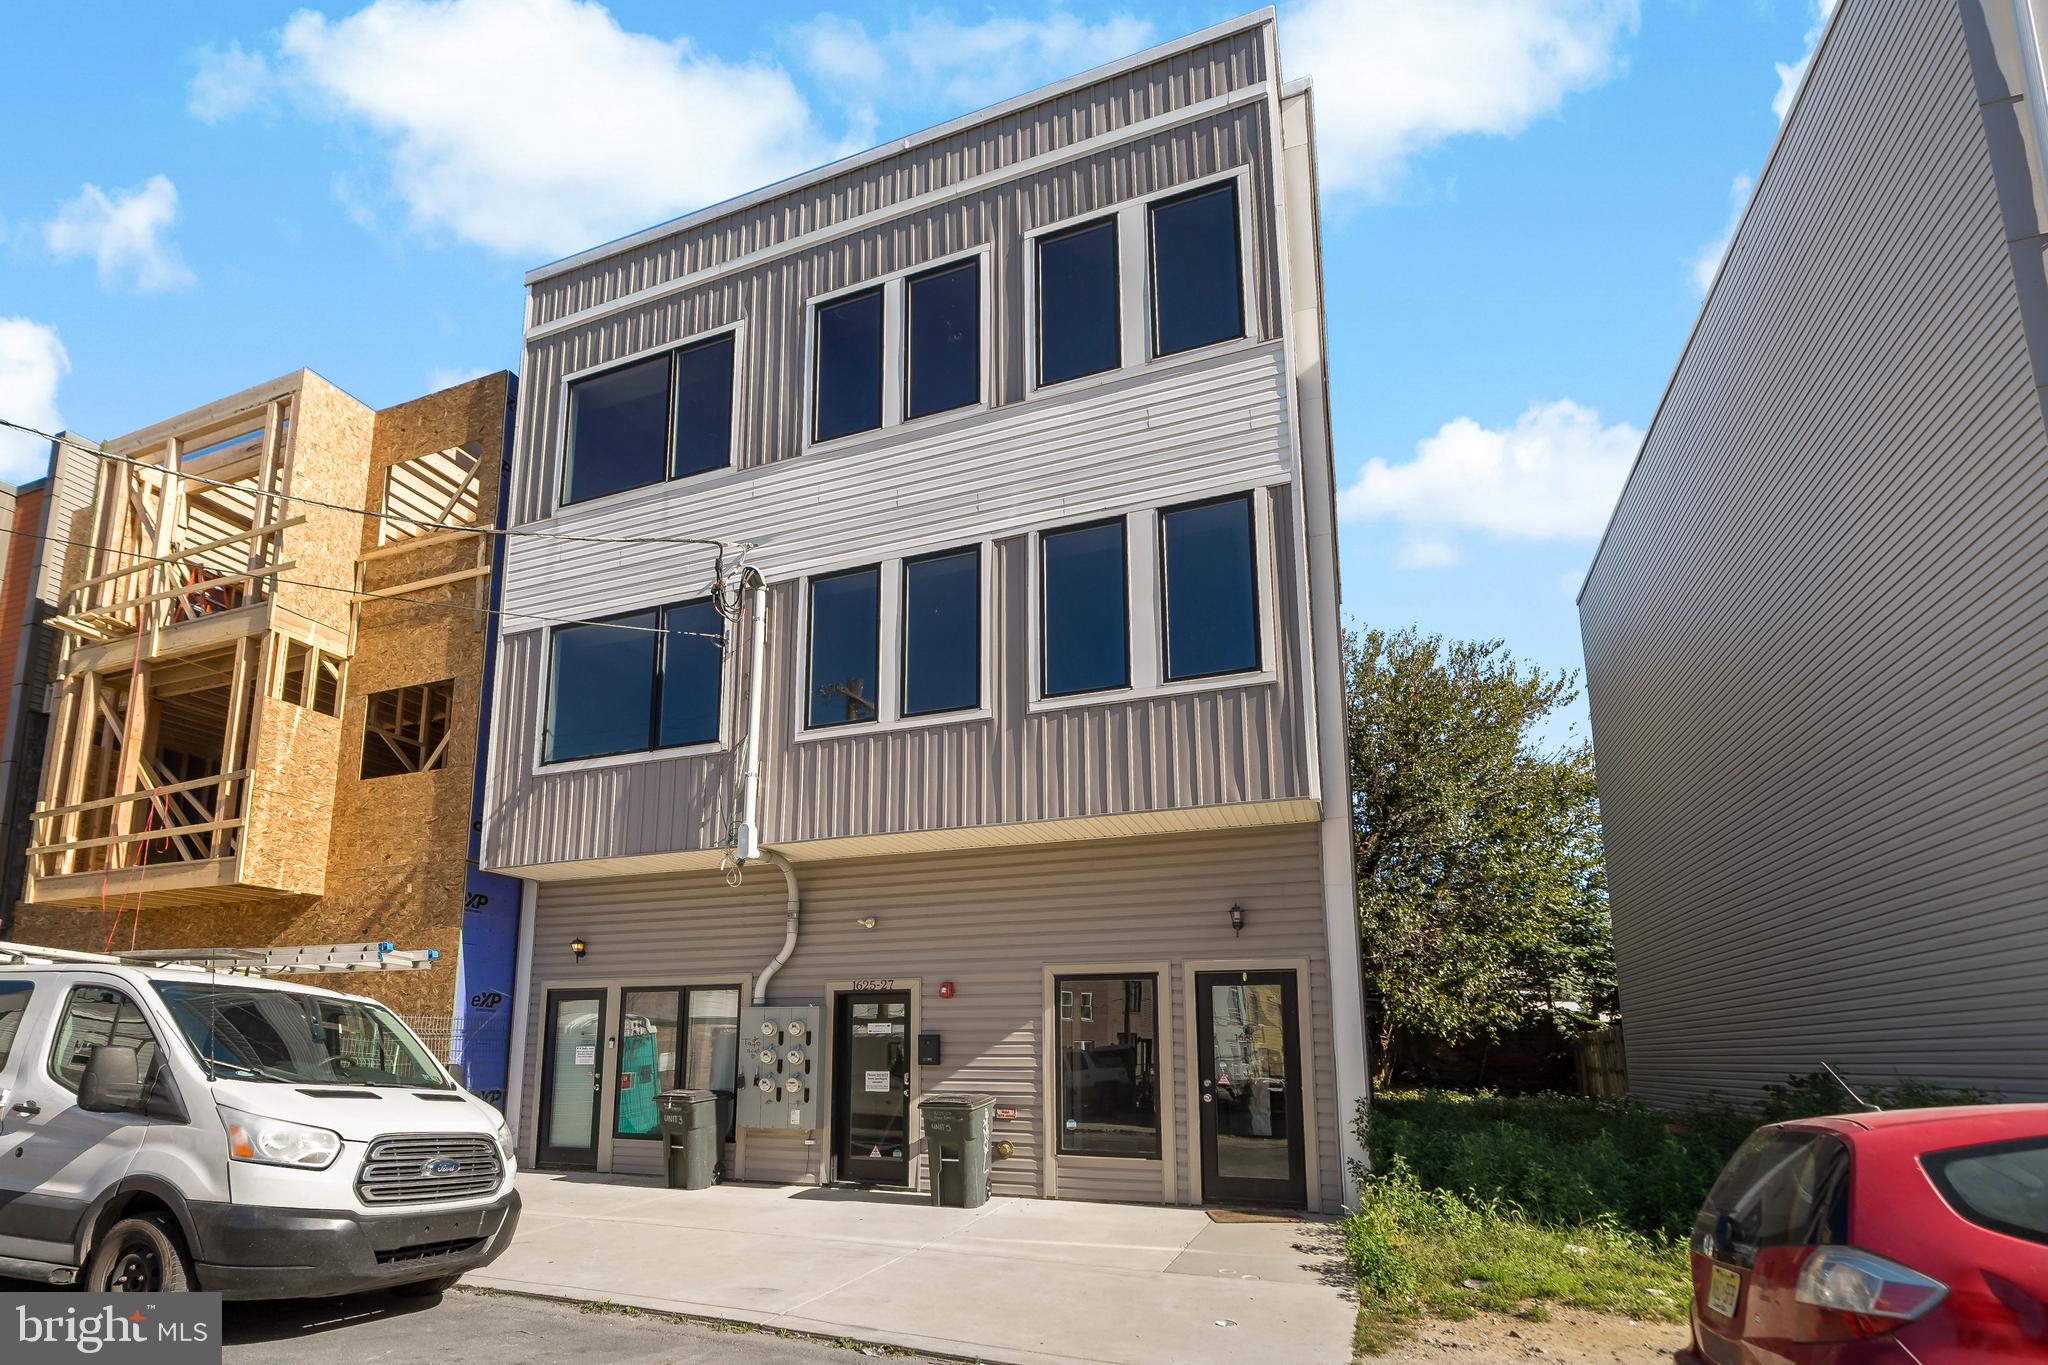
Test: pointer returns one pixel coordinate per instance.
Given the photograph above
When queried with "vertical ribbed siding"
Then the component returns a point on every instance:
(770, 298)
(1816, 633)
(1231, 64)
(989, 922)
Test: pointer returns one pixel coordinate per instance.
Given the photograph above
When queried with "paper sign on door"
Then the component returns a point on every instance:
(877, 1081)
(586, 1054)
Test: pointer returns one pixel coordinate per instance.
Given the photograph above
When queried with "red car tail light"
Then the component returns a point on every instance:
(1852, 1293)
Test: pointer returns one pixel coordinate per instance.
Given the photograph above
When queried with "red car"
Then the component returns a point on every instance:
(1917, 1235)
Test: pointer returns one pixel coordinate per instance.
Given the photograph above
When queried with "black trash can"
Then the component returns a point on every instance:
(690, 1137)
(727, 1104)
(957, 1133)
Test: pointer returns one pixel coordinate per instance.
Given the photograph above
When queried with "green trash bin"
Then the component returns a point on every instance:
(690, 1137)
(957, 1133)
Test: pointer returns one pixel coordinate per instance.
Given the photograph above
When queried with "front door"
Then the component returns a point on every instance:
(871, 1087)
(572, 1080)
(1250, 1088)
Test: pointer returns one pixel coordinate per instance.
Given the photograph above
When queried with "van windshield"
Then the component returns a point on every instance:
(273, 1035)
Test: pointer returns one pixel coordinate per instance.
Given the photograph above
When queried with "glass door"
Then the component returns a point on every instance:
(572, 1079)
(871, 1087)
(1250, 1091)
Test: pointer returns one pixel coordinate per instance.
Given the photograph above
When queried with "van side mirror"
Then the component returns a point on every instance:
(460, 1073)
(110, 1084)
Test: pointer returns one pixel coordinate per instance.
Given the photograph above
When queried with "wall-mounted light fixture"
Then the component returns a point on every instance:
(867, 921)
(1236, 919)
(578, 947)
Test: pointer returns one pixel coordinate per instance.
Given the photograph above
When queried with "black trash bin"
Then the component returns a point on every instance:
(957, 1133)
(690, 1137)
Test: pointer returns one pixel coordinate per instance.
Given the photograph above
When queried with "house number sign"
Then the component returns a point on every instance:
(882, 985)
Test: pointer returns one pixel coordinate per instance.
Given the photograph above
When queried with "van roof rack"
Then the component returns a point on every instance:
(285, 961)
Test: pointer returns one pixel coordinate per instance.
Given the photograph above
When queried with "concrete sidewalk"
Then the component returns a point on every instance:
(1018, 1280)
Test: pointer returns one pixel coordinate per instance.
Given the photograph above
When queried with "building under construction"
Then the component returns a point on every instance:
(265, 710)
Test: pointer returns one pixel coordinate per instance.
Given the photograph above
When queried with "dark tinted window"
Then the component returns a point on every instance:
(1086, 621)
(849, 360)
(942, 633)
(673, 1037)
(95, 1016)
(1785, 1187)
(845, 636)
(1197, 290)
(1212, 613)
(2002, 1187)
(1109, 1065)
(601, 697)
(692, 669)
(1077, 303)
(13, 1004)
(704, 407)
(945, 339)
(618, 430)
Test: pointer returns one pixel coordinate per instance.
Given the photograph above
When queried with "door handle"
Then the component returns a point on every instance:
(28, 1108)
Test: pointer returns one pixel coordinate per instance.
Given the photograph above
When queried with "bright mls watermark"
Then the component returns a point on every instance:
(164, 1329)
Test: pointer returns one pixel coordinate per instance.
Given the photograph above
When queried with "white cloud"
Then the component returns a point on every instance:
(1553, 475)
(448, 376)
(542, 126)
(1706, 262)
(229, 81)
(1791, 77)
(124, 234)
(32, 362)
(1396, 77)
(932, 57)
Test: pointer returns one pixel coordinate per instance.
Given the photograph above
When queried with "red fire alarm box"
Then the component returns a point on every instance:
(945, 990)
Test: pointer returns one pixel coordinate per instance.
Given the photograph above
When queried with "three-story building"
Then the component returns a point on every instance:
(922, 603)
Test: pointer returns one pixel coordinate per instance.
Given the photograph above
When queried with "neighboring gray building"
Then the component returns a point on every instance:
(1041, 753)
(1817, 630)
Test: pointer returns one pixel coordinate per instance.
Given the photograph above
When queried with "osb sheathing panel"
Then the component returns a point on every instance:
(291, 795)
(396, 851)
(330, 454)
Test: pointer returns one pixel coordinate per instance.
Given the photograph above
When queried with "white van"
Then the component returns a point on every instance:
(180, 1127)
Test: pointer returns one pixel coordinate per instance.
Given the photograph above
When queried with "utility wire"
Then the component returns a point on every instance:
(517, 531)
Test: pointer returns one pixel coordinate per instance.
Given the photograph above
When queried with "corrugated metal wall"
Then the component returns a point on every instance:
(989, 922)
(1817, 633)
(1172, 751)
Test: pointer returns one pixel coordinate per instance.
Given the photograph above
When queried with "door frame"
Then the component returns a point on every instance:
(599, 1070)
(1049, 1077)
(1304, 1010)
(828, 1133)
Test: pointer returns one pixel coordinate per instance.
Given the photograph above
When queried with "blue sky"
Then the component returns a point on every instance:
(1523, 200)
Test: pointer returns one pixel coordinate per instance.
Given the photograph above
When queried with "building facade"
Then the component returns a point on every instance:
(1814, 632)
(264, 715)
(921, 661)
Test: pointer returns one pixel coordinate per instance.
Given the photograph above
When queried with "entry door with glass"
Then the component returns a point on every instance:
(1250, 1088)
(871, 1087)
(572, 1080)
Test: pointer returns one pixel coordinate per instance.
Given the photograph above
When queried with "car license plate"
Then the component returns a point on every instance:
(1724, 1287)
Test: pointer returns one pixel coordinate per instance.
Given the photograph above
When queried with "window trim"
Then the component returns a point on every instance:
(1259, 626)
(1134, 263)
(1058, 979)
(682, 992)
(542, 764)
(121, 989)
(895, 348)
(736, 330)
(1041, 636)
(1244, 314)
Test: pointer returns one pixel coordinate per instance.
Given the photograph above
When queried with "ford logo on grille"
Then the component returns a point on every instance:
(441, 1165)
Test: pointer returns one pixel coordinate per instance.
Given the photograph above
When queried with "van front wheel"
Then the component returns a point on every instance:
(140, 1255)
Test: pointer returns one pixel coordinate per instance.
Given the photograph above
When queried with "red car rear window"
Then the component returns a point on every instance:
(2003, 1186)
(1785, 1187)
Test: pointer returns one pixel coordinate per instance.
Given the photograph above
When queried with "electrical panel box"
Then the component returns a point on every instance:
(782, 1067)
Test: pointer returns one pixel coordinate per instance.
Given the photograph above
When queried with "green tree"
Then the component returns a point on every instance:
(1482, 899)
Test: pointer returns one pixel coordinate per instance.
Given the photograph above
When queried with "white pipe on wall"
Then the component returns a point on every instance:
(747, 839)
(791, 906)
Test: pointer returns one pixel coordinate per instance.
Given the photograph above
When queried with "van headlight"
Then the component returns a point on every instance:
(273, 1142)
(504, 1136)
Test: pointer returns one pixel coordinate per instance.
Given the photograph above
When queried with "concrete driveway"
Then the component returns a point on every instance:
(1017, 1280)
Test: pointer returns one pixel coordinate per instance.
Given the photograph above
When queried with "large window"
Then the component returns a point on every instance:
(1109, 1065)
(944, 339)
(848, 357)
(1078, 328)
(670, 1038)
(1197, 270)
(664, 417)
(1211, 579)
(96, 1016)
(846, 627)
(649, 680)
(942, 633)
(1084, 610)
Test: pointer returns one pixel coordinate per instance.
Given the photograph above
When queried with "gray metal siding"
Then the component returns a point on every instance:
(987, 921)
(1816, 632)
(1161, 752)
(771, 298)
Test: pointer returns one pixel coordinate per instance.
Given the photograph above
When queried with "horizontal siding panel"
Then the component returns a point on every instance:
(1815, 633)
